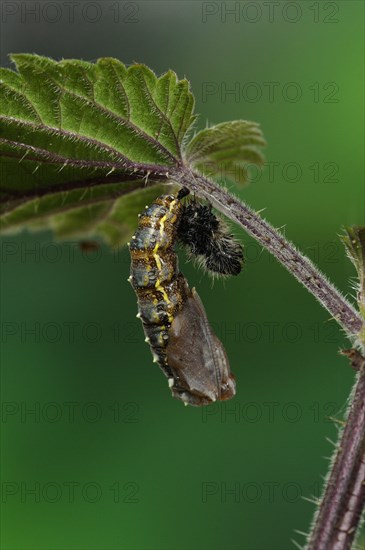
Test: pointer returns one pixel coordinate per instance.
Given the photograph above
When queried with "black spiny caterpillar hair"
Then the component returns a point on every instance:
(209, 239)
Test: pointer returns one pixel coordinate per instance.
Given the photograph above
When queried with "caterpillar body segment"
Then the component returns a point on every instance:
(173, 316)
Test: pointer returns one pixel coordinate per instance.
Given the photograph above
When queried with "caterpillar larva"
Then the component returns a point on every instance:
(209, 240)
(173, 316)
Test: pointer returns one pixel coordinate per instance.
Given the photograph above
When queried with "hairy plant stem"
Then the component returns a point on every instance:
(284, 251)
(341, 506)
(344, 496)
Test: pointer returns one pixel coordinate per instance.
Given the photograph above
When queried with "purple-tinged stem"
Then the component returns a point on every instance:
(284, 251)
(341, 506)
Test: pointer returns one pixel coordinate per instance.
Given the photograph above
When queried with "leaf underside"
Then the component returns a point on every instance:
(84, 146)
(77, 137)
(227, 150)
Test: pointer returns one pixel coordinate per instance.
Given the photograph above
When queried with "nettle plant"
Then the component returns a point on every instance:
(85, 146)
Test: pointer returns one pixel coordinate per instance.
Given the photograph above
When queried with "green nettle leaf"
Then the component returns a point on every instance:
(354, 241)
(227, 150)
(83, 145)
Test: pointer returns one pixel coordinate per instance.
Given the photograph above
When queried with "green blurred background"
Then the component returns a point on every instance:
(108, 460)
